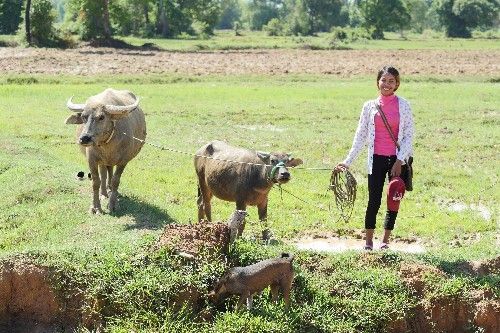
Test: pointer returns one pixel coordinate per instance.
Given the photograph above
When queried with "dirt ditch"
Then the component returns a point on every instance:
(30, 303)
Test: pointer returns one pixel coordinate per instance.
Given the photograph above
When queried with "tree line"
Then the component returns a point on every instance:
(46, 22)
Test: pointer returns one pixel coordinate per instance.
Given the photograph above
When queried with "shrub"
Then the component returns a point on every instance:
(273, 27)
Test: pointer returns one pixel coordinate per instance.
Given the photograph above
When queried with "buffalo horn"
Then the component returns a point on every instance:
(74, 107)
(119, 109)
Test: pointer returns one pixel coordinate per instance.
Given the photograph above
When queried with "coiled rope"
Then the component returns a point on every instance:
(343, 184)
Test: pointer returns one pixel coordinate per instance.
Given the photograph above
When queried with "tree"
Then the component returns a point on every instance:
(27, 21)
(92, 17)
(325, 13)
(459, 16)
(381, 15)
(10, 16)
(231, 13)
(42, 18)
(259, 12)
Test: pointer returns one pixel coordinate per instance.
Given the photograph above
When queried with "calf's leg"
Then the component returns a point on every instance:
(204, 198)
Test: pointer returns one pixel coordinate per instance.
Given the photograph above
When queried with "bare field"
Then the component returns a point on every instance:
(92, 61)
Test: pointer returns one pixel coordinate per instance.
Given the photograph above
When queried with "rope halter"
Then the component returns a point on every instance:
(273, 170)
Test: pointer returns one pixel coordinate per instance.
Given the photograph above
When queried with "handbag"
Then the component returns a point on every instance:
(406, 173)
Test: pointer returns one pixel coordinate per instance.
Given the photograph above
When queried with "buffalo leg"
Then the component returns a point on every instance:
(110, 177)
(103, 171)
(96, 184)
(115, 182)
(262, 210)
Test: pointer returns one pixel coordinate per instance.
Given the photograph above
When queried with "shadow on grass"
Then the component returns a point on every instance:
(146, 216)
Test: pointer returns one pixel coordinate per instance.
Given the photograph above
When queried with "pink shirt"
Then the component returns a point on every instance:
(383, 143)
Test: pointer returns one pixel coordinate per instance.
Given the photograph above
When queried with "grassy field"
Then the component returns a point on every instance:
(227, 40)
(43, 208)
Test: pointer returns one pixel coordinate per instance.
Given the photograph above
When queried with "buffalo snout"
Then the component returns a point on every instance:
(85, 140)
(283, 176)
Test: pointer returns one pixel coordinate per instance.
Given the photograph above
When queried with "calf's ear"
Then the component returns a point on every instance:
(264, 156)
(74, 119)
(293, 162)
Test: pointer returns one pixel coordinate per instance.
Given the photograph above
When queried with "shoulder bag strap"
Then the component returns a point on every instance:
(386, 123)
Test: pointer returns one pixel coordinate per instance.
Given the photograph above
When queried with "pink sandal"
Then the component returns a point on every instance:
(384, 246)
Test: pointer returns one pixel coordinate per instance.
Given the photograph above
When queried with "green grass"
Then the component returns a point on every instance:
(227, 40)
(43, 208)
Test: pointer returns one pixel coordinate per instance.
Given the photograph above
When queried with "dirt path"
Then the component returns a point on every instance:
(92, 61)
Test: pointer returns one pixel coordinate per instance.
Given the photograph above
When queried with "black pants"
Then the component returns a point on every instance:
(381, 170)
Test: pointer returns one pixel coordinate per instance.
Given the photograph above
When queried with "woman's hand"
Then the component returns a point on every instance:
(396, 169)
(341, 167)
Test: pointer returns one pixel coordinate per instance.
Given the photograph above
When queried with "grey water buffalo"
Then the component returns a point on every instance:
(102, 121)
(239, 175)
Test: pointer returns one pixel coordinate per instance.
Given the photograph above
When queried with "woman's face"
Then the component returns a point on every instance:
(387, 84)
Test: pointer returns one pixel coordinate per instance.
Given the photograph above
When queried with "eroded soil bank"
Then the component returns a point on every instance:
(31, 299)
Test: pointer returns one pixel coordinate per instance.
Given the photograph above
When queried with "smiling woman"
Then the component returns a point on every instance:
(382, 120)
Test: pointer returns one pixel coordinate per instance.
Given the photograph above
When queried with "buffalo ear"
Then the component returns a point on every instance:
(264, 156)
(293, 162)
(74, 119)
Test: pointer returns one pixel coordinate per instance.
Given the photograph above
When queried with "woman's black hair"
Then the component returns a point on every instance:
(388, 70)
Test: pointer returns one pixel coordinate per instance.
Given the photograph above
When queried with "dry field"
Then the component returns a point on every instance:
(91, 61)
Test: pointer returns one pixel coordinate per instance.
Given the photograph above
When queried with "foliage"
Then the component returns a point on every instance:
(348, 35)
(10, 15)
(257, 13)
(325, 13)
(384, 15)
(459, 16)
(423, 15)
(231, 13)
(43, 32)
(90, 18)
(273, 27)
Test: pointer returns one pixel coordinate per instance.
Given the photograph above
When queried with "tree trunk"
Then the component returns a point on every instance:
(162, 19)
(146, 14)
(27, 22)
(105, 23)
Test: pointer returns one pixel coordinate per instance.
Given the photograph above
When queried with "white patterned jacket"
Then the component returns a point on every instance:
(365, 133)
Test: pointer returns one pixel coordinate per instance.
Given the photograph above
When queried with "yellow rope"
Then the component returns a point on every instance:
(343, 184)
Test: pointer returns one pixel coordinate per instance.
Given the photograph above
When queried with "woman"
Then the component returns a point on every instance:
(385, 160)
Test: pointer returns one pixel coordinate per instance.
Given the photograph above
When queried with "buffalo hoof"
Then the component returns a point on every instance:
(95, 211)
(112, 206)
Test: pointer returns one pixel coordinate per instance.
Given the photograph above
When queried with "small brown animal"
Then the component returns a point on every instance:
(246, 281)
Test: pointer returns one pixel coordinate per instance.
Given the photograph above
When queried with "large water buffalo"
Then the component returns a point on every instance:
(102, 121)
(246, 180)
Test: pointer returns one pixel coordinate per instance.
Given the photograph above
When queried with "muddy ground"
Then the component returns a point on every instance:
(88, 60)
